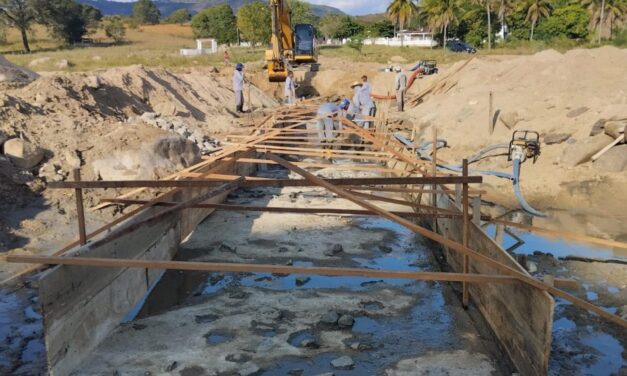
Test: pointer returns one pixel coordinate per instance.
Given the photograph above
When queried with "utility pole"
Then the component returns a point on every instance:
(601, 20)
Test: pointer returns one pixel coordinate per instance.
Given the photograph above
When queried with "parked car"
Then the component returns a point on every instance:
(457, 45)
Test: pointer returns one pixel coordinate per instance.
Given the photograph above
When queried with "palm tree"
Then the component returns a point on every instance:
(602, 12)
(505, 7)
(440, 14)
(536, 9)
(401, 11)
(489, 13)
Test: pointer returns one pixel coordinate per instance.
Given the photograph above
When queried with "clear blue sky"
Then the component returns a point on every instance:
(352, 7)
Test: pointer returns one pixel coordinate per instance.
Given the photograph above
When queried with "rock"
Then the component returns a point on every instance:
(63, 64)
(581, 151)
(92, 82)
(622, 312)
(96, 58)
(614, 160)
(334, 250)
(36, 62)
(309, 343)
(531, 267)
(177, 149)
(343, 362)
(22, 153)
(576, 112)
(72, 159)
(296, 372)
(360, 346)
(510, 119)
(346, 321)
(329, 318)
(556, 138)
(300, 281)
(228, 247)
(172, 366)
(283, 250)
(615, 128)
(238, 358)
(385, 249)
(598, 127)
(326, 374)
(50, 173)
(149, 116)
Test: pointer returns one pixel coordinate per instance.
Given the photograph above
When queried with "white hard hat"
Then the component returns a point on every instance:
(398, 68)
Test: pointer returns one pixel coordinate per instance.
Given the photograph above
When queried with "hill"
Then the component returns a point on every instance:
(166, 7)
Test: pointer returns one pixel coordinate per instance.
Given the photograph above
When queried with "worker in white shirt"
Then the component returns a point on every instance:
(400, 85)
(238, 87)
(290, 89)
(355, 107)
(365, 100)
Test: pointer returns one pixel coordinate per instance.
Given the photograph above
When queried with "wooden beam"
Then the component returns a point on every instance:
(451, 244)
(262, 182)
(275, 209)
(395, 201)
(259, 268)
(224, 188)
(465, 233)
(80, 211)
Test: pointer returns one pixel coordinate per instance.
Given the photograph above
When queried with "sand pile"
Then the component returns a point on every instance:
(569, 99)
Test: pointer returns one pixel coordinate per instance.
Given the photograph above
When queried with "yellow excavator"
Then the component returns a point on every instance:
(290, 46)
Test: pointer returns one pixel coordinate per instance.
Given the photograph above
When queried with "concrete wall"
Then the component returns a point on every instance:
(82, 305)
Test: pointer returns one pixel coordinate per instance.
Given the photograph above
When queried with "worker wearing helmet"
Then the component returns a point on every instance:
(328, 113)
(238, 87)
(400, 85)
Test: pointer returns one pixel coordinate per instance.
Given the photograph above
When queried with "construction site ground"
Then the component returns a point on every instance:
(106, 118)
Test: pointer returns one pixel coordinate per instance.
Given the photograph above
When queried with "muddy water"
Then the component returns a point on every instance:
(222, 319)
(582, 343)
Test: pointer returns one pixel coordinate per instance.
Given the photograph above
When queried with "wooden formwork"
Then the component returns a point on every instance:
(115, 269)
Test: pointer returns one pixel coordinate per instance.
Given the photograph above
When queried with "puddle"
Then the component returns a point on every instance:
(304, 339)
(557, 247)
(218, 337)
(609, 355)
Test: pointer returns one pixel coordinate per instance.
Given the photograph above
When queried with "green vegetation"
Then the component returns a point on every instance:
(253, 21)
(216, 22)
(145, 12)
(401, 11)
(19, 14)
(179, 17)
(302, 13)
(115, 29)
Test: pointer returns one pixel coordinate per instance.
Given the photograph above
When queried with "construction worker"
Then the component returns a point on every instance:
(400, 85)
(326, 123)
(290, 89)
(368, 107)
(238, 87)
(226, 58)
(354, 107)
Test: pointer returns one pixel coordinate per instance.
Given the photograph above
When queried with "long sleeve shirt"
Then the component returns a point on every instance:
(365, 100)
(290, 87)
(238, 81)
(400, 81)
(327, 109)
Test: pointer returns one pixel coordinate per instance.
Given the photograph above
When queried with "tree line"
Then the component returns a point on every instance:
(478, 21)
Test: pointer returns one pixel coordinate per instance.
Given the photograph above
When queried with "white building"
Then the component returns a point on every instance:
(201, 48)
(405, 38)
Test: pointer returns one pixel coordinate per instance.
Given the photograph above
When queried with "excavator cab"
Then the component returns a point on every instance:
(305, 44)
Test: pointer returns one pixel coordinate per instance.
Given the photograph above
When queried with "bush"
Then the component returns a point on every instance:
(567, 22)
(356, 42)
(620, 40)
(115, 29)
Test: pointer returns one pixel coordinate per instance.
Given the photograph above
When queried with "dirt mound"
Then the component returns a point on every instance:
(13, 75)
(551, 93)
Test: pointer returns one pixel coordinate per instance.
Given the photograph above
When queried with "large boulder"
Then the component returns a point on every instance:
(614, 160)
(581, 150)
(510, 119)
(22, 153)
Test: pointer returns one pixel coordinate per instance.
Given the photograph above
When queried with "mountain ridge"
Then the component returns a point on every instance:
(109, 8)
